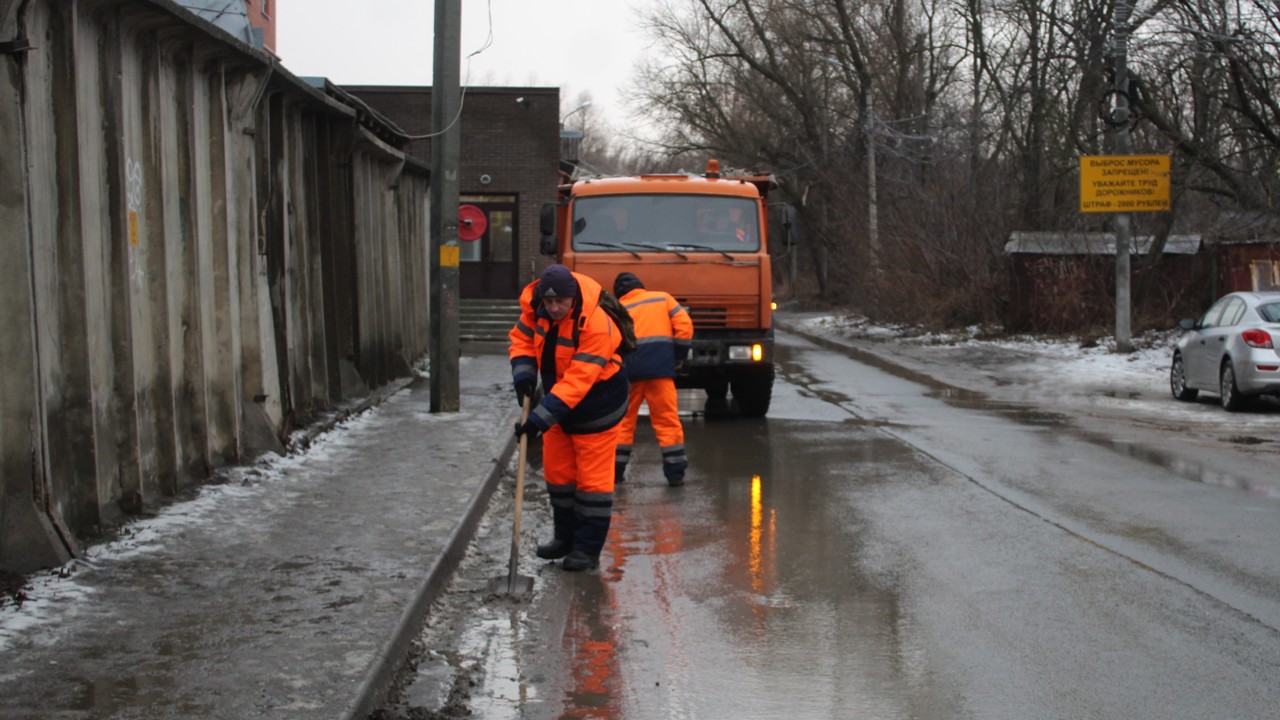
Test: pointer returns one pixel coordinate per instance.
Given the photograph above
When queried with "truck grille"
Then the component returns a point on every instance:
(721, 312)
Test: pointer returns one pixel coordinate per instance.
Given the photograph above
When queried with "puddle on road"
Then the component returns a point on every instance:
(1025, 415)
(1188, 469)
(1246, 440)
(724, 598)
(699, 608)
(105, 698)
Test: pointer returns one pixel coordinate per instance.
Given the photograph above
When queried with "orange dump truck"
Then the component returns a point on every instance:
(702, 238)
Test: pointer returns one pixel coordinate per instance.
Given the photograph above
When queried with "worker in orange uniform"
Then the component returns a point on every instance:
(664, 334)
(565, 339)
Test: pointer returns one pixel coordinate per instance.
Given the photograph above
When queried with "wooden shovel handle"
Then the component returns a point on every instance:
(519, 502)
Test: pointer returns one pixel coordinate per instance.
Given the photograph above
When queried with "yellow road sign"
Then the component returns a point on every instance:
(1124, 183)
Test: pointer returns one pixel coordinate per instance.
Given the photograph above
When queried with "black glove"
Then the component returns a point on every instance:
(529, 428)
(524, 389)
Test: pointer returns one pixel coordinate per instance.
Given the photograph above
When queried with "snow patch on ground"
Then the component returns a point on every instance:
(1081, 361)
(1082, 372)
(56, 595)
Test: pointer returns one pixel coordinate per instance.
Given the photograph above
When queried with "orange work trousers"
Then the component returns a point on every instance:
(660, 395)
(579, 474)
(583, 462)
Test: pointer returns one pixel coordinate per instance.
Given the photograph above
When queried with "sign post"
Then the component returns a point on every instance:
(445, 153)
(1121, 117)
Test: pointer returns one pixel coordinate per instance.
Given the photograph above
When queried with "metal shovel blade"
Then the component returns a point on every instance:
(516, 586)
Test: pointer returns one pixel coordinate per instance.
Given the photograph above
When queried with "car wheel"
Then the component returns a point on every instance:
(1178, 380)
(1232, 400)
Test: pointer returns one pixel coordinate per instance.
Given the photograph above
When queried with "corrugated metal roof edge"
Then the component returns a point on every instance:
(1085, 243)
(338, 103)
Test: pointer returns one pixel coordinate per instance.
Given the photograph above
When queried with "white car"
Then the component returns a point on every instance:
(1230, 350)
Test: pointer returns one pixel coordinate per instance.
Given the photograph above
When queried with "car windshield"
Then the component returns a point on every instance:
(676, 224)
(1270, 311)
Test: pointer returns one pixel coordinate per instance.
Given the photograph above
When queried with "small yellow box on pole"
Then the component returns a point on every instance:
(449, 256)
(1124, 183)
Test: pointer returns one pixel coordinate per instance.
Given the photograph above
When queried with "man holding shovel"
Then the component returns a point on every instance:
(565, 339)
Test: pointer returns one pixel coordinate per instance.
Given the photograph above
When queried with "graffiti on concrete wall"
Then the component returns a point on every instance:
(133, 185)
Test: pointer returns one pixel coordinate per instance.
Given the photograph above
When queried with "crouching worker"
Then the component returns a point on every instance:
(664, 333)
(565, 340)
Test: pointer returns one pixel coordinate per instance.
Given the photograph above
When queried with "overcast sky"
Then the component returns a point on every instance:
(577, 45)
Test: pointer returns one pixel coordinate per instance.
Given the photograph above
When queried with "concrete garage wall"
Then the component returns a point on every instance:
(199, 252)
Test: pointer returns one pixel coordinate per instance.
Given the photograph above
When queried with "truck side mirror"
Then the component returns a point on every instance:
(785, 224)
(547, 223)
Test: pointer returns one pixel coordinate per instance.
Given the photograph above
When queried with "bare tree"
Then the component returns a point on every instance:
(977, 112)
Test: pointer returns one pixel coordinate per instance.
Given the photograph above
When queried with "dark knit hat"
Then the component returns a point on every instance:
(557, 281)
(625, 283)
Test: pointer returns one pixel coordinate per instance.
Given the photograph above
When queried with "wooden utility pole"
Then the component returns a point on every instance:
(445, 154)
(1120, 116)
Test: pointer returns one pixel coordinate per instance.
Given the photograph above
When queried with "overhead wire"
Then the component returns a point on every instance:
(462, 97)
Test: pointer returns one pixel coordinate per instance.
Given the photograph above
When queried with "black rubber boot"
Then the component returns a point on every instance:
(554, 549)
(564, 520)
(674, 464)
(589, 534)
(579, 560)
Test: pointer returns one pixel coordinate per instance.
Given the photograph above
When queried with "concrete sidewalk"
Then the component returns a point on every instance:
(288, 591)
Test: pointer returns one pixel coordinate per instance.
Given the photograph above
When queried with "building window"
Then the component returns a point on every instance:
(266, 8)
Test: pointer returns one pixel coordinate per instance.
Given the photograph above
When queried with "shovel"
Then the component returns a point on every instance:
(513, 583)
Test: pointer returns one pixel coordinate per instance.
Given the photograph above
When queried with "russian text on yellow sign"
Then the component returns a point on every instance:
(1124, 183)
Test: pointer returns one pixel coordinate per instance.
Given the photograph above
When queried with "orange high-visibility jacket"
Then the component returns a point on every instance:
(586, 391)
(664, 333)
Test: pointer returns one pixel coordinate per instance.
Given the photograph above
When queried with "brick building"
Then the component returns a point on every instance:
(250, 21)
(510, 154)
(262, 18)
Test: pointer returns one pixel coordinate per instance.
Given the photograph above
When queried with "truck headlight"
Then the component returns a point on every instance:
(754, 352)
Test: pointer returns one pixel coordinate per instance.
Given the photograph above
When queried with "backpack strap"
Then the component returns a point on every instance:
(577, 326)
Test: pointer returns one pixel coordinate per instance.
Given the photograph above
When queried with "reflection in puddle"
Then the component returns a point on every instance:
(106, 697)
(1187, 469)
(487, 653)
(1246, 440)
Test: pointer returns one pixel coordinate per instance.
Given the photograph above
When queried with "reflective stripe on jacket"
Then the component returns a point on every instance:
(664, 333)
(590, 392)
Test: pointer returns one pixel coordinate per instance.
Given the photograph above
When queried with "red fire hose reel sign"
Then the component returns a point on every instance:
(472, 223)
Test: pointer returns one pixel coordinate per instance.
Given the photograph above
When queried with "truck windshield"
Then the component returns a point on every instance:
(681, 224)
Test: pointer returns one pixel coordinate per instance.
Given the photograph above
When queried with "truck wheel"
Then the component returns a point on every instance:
(717, 389)
(753, 391)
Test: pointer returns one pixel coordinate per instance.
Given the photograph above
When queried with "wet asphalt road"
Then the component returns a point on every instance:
(878, 548)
